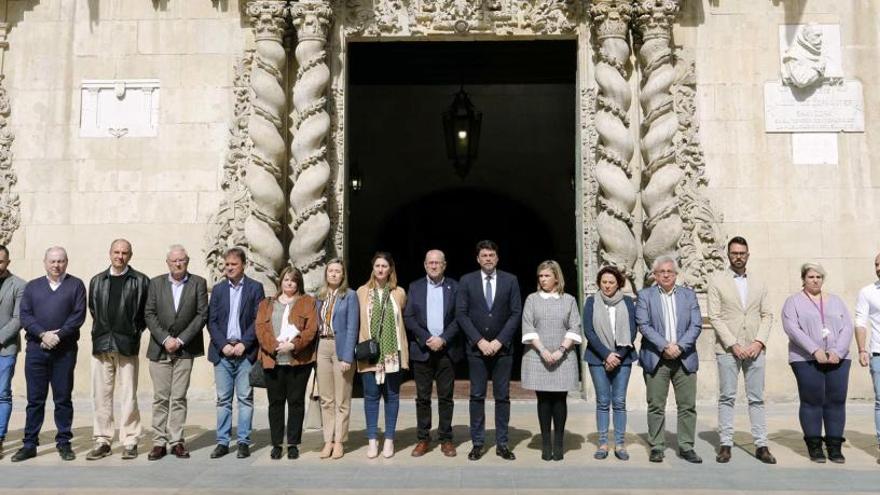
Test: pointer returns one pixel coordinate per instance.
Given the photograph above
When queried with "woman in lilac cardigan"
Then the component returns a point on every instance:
(819, 330)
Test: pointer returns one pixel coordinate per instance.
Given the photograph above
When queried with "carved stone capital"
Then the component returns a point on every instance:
(611, 18)
(267, 19)
(654, 18)
(312, 19)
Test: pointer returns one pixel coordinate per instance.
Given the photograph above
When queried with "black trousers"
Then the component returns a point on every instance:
(552, 410)
(43, 368)
(481, 368)
(287, 385)
(437, 368)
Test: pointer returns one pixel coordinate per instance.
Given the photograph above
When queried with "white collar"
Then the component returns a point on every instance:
(548, 295)
(114, 274)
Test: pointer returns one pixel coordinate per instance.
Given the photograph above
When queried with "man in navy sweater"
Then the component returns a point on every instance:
(53, 308)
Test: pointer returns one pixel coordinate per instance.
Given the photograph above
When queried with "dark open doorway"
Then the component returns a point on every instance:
(519, 191)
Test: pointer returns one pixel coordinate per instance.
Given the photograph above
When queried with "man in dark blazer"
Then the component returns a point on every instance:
(668, 317)
(489, 311)
(233, 349)
(176, 312)
(434, 348)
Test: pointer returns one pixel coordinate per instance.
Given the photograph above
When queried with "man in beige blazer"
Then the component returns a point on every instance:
(740, 314)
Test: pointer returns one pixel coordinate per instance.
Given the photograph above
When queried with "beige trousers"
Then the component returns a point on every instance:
(108, 368)
(170, 385)
(335, 389)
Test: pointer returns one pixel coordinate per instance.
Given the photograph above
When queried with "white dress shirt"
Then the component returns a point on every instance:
(670, 321)
(868, 313)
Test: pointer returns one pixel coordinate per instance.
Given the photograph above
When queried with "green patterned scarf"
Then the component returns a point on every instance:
(382, 322)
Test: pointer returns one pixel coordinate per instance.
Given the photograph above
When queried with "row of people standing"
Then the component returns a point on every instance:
(424, 330)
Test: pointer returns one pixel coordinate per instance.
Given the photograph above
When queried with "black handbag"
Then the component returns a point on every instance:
(257, 376)
(368, 350)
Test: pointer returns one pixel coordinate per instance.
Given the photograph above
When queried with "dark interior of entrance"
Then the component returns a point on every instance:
(519, 191)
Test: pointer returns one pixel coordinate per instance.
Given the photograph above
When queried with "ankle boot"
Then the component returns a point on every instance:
(814, 449)
(833, 444)
(546, 448)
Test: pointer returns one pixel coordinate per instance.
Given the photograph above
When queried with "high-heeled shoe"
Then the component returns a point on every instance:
(372, 448)
(327, 451)
(388, 448)
(338, 451)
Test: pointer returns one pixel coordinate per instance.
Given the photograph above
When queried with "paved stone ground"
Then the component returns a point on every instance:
(436, 474)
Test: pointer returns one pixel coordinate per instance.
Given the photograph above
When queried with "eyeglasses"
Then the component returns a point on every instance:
(738, 255)
(665, 272)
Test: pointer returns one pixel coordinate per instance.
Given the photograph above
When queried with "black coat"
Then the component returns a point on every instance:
(127, 339)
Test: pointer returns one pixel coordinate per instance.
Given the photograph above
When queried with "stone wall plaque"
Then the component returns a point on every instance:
(828, 108)
(815, 148)
(117, 108)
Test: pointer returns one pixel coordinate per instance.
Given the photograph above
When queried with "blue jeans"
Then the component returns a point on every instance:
(7, 369)
(875, 375)
(611, 392)
(232, 377)
(390, 391)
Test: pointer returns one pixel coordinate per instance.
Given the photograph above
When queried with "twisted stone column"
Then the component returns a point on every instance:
(663, 225)
(310, 171)
(617, 193)
(263, 172)
(10, 204)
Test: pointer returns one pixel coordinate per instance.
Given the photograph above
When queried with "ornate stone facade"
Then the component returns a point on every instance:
(10, 205)
(618, 193)
(661, 173)
(226, 226)
(309, 168)
(678, 218)
(405, 18)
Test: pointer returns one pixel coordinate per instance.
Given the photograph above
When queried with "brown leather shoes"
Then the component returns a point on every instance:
(179, 451)
(723, 456)
(763, 454)
(157, 453)
(420, 449)
(448, 449)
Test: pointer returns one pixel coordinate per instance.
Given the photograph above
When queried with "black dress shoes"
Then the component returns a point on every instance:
(157, 453)
(476, 453)
(219, 451)
(24, 454)
(276, 452)
(690, 456)
(66, 452)
(244, 451)
(292, 452)
(656, 456)
(763, 454)
(505, 453)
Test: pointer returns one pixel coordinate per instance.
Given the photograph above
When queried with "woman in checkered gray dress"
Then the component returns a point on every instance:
(551, 327)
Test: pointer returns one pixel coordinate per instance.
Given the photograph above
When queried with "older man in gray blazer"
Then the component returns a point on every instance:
(176, 312)
(668, 317)
(11, 289)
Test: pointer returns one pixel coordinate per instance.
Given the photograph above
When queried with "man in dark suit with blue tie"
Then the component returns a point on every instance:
(233, 350)
(489, 311)
(434, 348)
(668, 317)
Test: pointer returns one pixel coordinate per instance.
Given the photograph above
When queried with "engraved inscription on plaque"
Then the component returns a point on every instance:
(829, 108)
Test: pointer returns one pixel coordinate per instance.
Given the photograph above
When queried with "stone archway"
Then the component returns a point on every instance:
(285, 194)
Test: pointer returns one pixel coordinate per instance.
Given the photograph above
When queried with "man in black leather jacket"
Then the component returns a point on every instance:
(117, 297)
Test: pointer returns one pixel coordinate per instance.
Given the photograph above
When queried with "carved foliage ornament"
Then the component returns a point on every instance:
(655, 17)
(10, 214)
(311, 19)
(373, 18)
(611, 18)
(267, 18)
